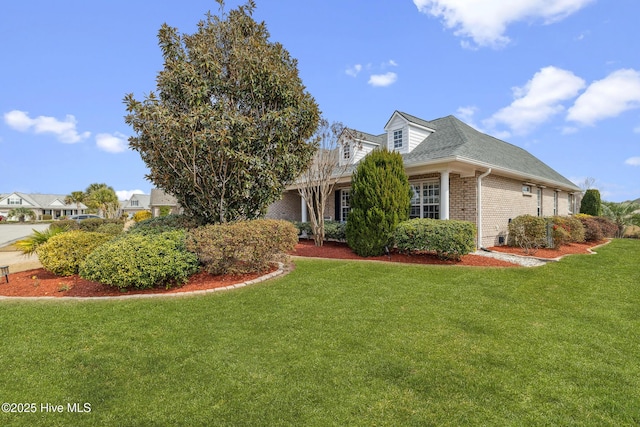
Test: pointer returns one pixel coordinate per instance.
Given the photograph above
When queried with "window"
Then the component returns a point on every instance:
(346, 152)
(572, 203)
(345, 206)
(555, 203)
(425, 202)
(539, 201)
(397, 139)
(14, 201)
(526, 189)
(134, 203)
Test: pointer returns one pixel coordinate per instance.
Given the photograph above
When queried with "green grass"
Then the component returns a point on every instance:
(344, 343)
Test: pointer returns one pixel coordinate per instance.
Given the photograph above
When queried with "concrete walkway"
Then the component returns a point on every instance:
(524, 261)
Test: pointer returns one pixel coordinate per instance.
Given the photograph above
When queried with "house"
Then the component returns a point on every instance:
(455, 172)
(45, 206)
(136, 203)
(159, 201)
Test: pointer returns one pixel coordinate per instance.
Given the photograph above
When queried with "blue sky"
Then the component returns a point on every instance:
(560, 78)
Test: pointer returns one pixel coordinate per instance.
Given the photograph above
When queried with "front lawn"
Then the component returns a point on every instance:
(343, 343)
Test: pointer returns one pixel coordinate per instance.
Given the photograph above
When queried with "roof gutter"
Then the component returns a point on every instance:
(479, 207)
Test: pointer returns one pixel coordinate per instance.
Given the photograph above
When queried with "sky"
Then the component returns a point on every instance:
(559, 78)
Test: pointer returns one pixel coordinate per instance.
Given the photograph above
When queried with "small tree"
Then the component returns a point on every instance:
(102, 198)
(22, 213)
(591, 204)
(227, 131)
(76, 197)
(622, 214)
(336, 145)
(380, 199)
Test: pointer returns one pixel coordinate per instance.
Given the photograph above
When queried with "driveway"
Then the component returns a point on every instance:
(9, 233)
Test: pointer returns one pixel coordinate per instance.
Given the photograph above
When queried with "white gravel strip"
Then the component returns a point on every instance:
(525, 261)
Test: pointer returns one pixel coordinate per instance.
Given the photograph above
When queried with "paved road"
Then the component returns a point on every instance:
(12, 232)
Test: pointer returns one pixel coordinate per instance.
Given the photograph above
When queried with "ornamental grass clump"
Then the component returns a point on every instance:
(142, 261)
(243, 246)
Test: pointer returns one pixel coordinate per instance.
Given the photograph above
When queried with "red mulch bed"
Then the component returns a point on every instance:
(39, 282)
(306, 248)
(570, 249)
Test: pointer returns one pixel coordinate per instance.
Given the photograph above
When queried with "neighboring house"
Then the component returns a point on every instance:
(137, 203)
(42, 204)
(455, 172)
(159, 199)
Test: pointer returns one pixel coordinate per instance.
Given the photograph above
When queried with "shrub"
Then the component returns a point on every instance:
(591, 203)
(162, 224)
(449, 239)
(141, 261)
(63, 253)
(334, 230)
(67, 224)
(608, 227)
(528, 232)
(566, 229)
(592, 229)
(380, 200)
(141, 216)
(303, 227)
(47, 217)
(114, 228)
(242, 247)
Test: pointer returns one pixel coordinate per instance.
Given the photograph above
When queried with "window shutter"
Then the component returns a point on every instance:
(337, 206)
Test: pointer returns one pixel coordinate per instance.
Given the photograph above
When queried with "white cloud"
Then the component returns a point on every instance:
(381, 80)
(65, 131)
(609, 97)
(354, 71)
(538, 100)
(126, 194)
(115, 143)
(633, 161)
(392, 63)
(486, 21)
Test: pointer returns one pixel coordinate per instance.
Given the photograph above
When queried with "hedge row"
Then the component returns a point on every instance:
(449, 239)
(242, 247)
(333, 230)
(531, 232)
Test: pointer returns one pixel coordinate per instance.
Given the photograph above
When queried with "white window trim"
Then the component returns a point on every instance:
(422, 204)
(398, 135)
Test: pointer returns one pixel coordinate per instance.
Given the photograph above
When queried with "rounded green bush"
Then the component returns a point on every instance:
(243, 246)
(141, 261)
(64, 253)
(449, 239)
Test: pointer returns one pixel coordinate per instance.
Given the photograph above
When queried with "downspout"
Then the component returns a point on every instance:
(479, 207)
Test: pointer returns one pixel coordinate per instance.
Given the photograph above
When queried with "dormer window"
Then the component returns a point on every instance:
(397, 139)
(346, 152)
(14, 201)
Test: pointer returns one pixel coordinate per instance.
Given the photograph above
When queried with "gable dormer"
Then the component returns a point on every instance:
(15, 200)
(404, 132)
(355, 145)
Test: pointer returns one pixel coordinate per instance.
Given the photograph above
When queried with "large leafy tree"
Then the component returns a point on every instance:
(227, 129)
(380, 200)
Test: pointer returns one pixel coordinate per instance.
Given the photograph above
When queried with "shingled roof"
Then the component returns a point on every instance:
(453, 139)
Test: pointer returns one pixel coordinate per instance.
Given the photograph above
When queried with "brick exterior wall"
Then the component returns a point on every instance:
(288, 207)
(502, 200)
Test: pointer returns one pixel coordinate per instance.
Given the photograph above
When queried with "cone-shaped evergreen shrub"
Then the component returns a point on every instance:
(591, 203)
(380, 200)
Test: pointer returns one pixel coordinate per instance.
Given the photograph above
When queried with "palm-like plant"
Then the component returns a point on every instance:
(76, 197)
(22, 213)
(30, 244)
(623, 214)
